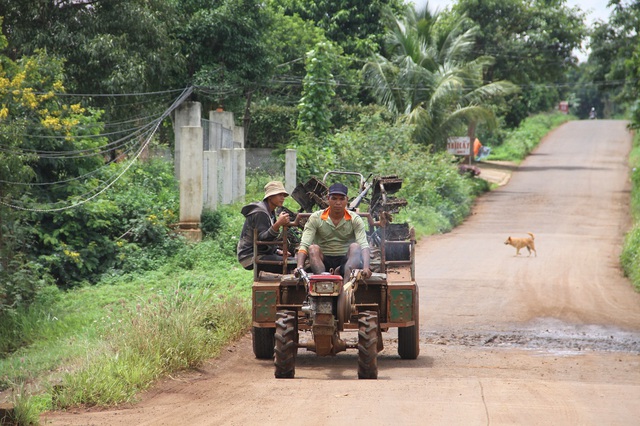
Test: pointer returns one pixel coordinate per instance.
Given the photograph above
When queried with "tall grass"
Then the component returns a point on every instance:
(158, 336)
(630, 256)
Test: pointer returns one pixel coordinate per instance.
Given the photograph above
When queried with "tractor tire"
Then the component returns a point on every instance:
(286, 348)
(408, 342)
(368, 345)
(409, 337)
(263, 342)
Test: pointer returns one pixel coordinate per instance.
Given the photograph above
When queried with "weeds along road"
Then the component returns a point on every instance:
(505, 340)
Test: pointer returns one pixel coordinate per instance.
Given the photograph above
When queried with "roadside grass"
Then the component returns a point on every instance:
(630, 256)
(157, 336)
(101, 345)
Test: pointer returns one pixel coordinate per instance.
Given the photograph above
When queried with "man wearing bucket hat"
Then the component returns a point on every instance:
(260, 215)
(335, 238)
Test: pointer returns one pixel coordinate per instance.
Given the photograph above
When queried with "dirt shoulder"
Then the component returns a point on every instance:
(497, 172)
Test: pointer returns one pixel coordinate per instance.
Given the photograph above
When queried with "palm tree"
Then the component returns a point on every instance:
(429, 80)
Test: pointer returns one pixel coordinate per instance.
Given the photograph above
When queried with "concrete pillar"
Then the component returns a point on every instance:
(187, 114)
(226, 175)
(191, 182)
(238, 137)
(210, 181)
(222, 117)
(290, 161)
(239, 174)
(228, 141)
(240, 164)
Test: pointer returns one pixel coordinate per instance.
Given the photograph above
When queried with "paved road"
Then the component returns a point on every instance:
(506, 340)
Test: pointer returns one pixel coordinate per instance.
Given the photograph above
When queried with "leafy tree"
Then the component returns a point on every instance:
(532, 43)
(354, 25)
(289, 41)
(318, 91)
(109, 47)
(46, 145)
(614, 60)
(115, 46)
(428, 79)
(142, 46)
(227, 50)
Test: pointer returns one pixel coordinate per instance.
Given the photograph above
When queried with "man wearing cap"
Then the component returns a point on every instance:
(261, 216)
(334, 238)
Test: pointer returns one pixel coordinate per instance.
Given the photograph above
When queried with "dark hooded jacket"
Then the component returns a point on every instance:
(257, 217)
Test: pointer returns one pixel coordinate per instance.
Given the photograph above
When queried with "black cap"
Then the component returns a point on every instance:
(338, 188)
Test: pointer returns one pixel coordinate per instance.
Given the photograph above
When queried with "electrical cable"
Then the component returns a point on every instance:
(109, 183)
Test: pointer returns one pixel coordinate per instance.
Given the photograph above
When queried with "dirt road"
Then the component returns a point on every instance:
(505, 340)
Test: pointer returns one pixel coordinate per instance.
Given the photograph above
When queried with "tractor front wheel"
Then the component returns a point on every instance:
(286, 338)
(368, 345)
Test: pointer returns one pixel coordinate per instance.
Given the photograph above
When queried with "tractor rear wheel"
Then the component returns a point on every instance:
(368, 345)
(263, 342)
(286, 348)
(409, 337)
(409, 342)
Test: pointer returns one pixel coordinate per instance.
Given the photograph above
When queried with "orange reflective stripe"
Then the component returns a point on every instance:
(325, 214)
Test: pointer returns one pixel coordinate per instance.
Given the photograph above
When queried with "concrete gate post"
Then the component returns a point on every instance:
(187, 114)
(290, 159)
(226, 172)
(210, 180)
(191, 182)
(240, 164)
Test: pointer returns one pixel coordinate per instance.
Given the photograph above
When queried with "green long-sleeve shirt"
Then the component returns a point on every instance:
(333, 240)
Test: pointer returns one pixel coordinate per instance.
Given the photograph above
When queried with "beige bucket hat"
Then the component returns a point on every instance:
(274, 188)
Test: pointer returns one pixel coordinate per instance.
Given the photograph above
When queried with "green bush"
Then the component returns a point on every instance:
(438, 197)
(630, 256)
(273, 126)
(211, 222)
(80, 244)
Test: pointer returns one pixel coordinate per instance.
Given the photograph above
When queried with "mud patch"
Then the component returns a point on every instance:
(546, 334)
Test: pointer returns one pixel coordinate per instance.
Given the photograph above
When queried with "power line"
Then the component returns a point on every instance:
(109, 183)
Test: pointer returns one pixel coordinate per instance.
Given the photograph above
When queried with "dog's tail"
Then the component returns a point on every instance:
(533, 237)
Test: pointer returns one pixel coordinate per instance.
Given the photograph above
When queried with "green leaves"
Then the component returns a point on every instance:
(430, 80)
(318, 91)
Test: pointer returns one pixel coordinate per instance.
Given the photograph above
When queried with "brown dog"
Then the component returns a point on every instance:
(519, 243)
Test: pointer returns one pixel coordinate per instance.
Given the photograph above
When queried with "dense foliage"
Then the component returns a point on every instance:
(532, 43)
(428, 82)
(373, 86)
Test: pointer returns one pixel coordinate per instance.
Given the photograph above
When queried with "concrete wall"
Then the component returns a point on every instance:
(211, 161)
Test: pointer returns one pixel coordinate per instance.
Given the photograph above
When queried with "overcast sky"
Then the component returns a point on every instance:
(596, 9)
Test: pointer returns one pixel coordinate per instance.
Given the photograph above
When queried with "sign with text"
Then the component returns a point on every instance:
(459, 145)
